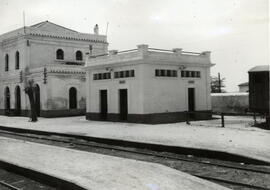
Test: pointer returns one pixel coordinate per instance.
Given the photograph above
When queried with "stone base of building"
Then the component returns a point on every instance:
(45, 113)
(156, 118)
(61, 113)
(13, 112)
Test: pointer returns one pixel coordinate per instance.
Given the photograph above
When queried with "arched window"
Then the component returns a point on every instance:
(79, 56)
(60, 54)
(17, 60)
(6, 62)
(72, 98)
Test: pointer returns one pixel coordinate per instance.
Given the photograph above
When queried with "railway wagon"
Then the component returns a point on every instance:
(259, 90)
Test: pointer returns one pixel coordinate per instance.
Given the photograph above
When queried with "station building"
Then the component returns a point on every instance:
(52, 56)
(147, 85)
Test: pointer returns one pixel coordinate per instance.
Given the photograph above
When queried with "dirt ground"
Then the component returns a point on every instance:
(241, 122)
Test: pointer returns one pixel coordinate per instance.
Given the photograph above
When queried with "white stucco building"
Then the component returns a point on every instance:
(52, 56)
(148, 85)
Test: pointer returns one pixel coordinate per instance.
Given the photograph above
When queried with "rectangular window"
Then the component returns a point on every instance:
(101, 76)
(182, 73)
(95, 76)
(174, 73)
(198, 74)
(127, 74)
(124, 74)
(162, 73)
(121, 74)
(157, 72)
(132, 73)
(165, 73)
(168, 73)
(190, 74)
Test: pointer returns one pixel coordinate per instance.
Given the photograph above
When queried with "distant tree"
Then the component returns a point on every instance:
(217, 86)
(30, 91)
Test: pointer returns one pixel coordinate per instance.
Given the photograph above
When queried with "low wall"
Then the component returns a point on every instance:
(235, 103)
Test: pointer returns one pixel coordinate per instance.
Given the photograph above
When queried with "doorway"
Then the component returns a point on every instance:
(17, 101)
(123, 104)
(103, 104)
(191, 101)
(72, 98)
(7, 101)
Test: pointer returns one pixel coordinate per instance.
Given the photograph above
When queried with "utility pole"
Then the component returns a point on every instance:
(91, 49)
(107, 28)
(24, 22)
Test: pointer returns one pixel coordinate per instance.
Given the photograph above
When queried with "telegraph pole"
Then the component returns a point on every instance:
(24, 22)
(219, 83)
(107, 28)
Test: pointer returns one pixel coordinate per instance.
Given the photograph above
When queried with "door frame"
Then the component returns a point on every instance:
(103, 111)
(191, 108)
(123, 111)
(18, 105)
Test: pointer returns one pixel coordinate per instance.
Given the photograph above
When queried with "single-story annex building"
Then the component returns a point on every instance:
(147, 85)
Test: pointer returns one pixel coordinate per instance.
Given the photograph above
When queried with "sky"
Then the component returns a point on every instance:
(235, 31)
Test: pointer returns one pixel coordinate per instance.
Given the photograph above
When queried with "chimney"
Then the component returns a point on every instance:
(96, 30)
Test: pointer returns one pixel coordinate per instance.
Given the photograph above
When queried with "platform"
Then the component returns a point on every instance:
(95, 171)
(237, 137)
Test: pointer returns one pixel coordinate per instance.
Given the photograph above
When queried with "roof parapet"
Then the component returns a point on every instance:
(143, 50)
(142, 47)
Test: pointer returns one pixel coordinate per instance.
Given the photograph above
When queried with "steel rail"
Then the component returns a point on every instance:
(110, 147)
(71, 141)
(231, 182)
(8, 185)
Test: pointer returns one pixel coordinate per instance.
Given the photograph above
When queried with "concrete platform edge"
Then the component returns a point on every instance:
(40, 176)
(156, 147)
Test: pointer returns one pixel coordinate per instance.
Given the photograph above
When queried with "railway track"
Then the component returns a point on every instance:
(235, 175)
(7, 186)
(13, 181)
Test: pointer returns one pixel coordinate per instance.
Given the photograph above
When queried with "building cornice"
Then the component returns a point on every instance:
(67, 37)
(140, 62)
(65, 70)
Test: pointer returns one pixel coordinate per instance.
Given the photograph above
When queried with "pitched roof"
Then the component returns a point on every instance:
(49, 29)
(52, 27)
(260, 68)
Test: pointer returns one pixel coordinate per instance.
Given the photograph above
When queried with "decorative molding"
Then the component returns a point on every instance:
(68, 37)
(65, 71)
(45, 75)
